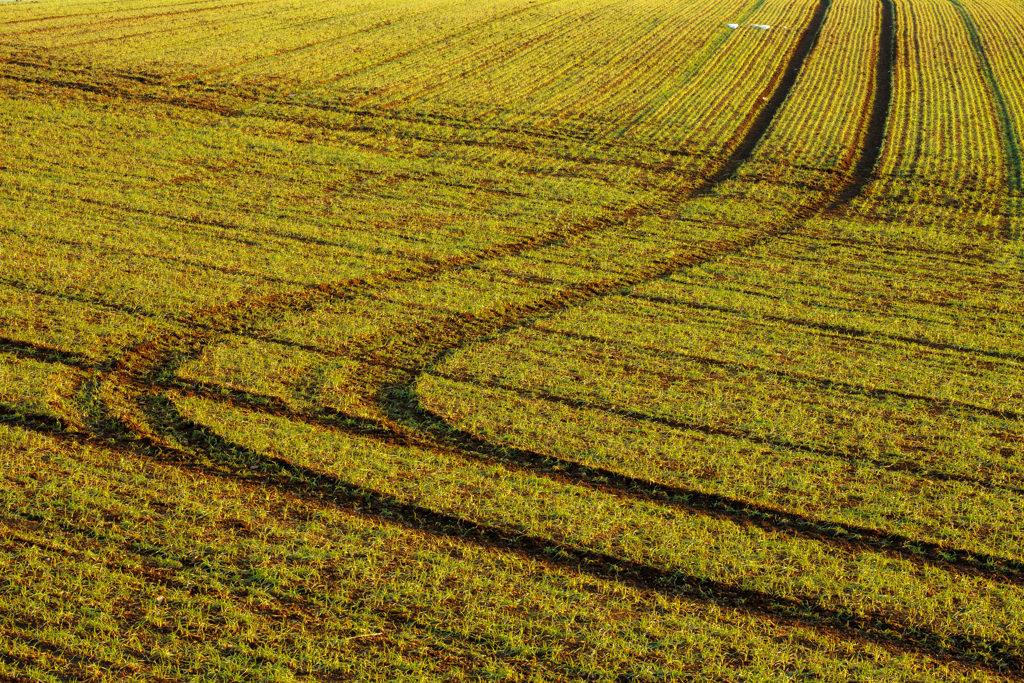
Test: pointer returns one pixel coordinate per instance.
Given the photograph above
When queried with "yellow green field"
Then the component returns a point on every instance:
(526, 340)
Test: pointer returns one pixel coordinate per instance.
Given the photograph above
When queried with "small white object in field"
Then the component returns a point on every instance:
(733, 25)
(763, 27)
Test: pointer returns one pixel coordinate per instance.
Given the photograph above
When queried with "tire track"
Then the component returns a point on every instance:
(421, 347)
(485, 58)
(236, 103)
(884, 630)
(221, 458)
(54, 17)
(853, 456)
(437, 435)
(179, 263)
(874, 134)
(299, 48)
(146, 415)
(115, 92)
(761, 120)
(1011, 150)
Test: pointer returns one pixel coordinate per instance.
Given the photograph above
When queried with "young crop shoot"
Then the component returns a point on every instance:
(526, 340)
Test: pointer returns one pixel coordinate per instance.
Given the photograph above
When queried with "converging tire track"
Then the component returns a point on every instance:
(437, 435)
(140, 413)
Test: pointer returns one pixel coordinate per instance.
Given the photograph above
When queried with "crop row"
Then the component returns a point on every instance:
(592, 73)
(711, 396)
(186, 563)
(688, 113)
(225, 188)
(944, 150)
(822, 124)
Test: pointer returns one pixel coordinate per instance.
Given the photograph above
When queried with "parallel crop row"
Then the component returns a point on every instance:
(592, 334)
(995, 30)
(688, 113)
(822, 125)
(944, 126)
(944, 151)
(613, 69)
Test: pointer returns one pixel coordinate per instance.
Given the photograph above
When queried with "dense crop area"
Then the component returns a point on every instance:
(517, 340)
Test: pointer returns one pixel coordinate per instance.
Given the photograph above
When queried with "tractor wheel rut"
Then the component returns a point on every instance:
(141, 416)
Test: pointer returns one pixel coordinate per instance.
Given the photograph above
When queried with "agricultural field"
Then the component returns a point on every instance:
(525, 340)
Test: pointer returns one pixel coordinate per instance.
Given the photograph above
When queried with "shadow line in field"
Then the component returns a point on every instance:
(244, 235)
(134, 556)
(334, 38)
(86, 300)
(405, 408)
(236, 102)
(236, 317)
(77, 664)
(140, 17)
(176, 262)
(113, 92)
(324, 418)
(314, 295)
(37, 524)
(503, 53)
(38, 422)
(46, 354)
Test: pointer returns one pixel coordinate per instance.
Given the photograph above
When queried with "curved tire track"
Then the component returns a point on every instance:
(214, 455)
(144, 416)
